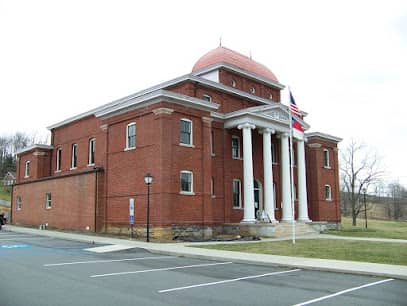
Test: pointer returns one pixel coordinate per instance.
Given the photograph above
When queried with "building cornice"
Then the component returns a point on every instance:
(155, 97)
(188, 77)
(33, 147)
(323, 136)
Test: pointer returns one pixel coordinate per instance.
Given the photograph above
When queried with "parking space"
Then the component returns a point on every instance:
(47, 271)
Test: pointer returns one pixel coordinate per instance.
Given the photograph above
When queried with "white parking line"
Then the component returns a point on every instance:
(22, 238)
(105, 261)
(162, 269)
(228, 281)
(343, 292)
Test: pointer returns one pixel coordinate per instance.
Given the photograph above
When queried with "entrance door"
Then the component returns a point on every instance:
(257, 198)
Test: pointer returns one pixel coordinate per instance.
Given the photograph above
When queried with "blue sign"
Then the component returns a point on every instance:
(131, 210)
(131, 220)
(15, 246)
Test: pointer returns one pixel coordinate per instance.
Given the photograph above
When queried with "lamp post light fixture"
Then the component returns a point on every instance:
(148, 179)
(364, 190)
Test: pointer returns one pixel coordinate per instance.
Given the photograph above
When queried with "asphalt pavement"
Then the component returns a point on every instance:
(45, 270)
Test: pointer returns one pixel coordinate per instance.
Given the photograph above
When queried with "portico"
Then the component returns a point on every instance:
(271, 121)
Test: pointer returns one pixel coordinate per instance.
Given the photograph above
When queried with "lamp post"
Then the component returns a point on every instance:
(364, 201)
(148, 178)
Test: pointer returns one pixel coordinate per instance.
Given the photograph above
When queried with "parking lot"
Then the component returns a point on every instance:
(38, 270)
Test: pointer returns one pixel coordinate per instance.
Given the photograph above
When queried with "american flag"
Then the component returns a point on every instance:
(294, 109)
(293, 106)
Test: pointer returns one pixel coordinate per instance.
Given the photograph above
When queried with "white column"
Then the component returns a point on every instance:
(268, 175)
(285, 179)
(248, 216)
(302, 183)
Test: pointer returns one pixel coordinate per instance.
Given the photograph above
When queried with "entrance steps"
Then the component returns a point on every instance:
(270, 230)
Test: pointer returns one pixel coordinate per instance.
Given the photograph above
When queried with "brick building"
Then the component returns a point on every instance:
(216, 142)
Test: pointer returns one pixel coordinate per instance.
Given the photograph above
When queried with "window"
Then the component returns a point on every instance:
(326, 159)
(59, 158)
(48, 200)
(252, 89)
(18, 203)
(271, 96)
(328, 193)
(74, 156)
(273, 154)
(235, 147)
(212, 143)
(186, 132)
(186, 179)
(274, 196)
(295, 192)
(27, 169)
(131, 136)
(237, 191)
(207, 98)
(92, 148)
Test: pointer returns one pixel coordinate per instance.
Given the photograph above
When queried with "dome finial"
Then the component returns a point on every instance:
(220, 41)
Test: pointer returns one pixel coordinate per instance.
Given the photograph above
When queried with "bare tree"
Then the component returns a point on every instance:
(360, 169)
(397, 200)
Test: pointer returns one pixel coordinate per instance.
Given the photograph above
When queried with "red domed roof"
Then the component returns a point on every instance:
(225, 55)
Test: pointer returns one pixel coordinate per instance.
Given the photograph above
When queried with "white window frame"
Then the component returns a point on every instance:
(191, 144)
(48, 200)
(58, 160)
(187, 192)
(213, 187)
(275, 196)
(273, 155)
(27, 169)
(328, 191)
(74, 156)
(207, 98)
(128, 147)
(326, 159)
(92, 151)
(238, 147)
(240, 193)
(18, 203)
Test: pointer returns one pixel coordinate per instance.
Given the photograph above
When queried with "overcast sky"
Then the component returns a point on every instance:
(345, 61)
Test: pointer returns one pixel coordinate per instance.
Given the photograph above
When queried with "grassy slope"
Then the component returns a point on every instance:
(4, 194)
(388, 253)
(375, 229)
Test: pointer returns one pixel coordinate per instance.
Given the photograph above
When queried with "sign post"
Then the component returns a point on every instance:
(131, 215)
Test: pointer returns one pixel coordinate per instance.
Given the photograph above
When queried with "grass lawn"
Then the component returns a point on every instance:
(375, 229)
(4, 194)
(377, 252)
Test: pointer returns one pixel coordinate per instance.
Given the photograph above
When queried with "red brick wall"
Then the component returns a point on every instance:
(318, 176)
(79, 132)
(73, 202)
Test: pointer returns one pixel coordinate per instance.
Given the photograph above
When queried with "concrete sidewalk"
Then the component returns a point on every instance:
(187, 250)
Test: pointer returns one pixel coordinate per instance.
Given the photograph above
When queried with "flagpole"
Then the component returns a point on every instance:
(291, 169)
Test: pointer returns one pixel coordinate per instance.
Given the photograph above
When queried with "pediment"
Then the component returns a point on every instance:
(277, 114)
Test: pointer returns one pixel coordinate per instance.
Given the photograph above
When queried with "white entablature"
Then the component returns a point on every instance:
(274, 117)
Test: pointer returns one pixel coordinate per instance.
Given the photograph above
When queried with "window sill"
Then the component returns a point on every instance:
(328, 200)
(327, 167)
(74, 168)
(213, 154)
(213, 196)
(187, 145)
(237, 158)
(129, 149)
(26, 176)
(57, 171)
(187, 193)
(48, 207)
(91, 165)
(238, 208)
